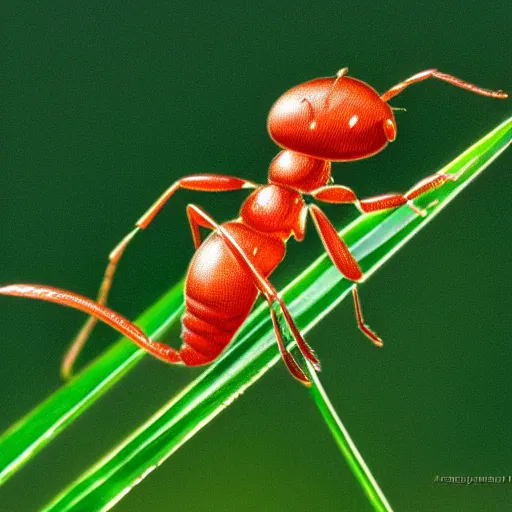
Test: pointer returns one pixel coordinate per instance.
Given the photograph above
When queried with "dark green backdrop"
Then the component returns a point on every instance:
(105, 104)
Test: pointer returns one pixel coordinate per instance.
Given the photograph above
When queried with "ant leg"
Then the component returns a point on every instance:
(288, 359)
(344, 262)
(201, 218)
(200, 182)
(360, 320)
(194, 228)
(434, 73)
(196, 222)
(340, 194)
(99, 312)
(72, 353)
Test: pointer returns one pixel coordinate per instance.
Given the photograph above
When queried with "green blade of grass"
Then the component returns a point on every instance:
(373, 239)
(25, 438)
(347, 447)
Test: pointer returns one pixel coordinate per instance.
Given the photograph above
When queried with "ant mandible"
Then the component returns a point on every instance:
(324, 120)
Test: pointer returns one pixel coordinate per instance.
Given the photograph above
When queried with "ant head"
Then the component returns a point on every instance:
(335, 119)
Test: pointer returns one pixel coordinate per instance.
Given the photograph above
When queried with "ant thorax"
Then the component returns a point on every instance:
(300, 172)
(276, 210)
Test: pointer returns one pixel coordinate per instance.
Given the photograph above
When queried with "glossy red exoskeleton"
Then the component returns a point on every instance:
(316, 123)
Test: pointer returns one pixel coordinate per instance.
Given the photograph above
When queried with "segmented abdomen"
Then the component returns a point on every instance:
(219, 294)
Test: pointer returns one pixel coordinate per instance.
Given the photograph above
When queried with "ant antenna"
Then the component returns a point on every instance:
(340, 74)
(312, 116)
(400, 109)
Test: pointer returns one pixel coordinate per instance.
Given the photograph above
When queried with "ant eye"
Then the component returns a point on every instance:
(389, 129)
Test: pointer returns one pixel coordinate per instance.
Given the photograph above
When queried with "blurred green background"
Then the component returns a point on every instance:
(104, 104)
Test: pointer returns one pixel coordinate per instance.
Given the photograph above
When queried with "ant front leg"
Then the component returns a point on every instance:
(340, 194)
(198, 218)
(345, 262)
(199, 182)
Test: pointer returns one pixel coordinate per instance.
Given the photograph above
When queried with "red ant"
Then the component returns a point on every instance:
(318, 122)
